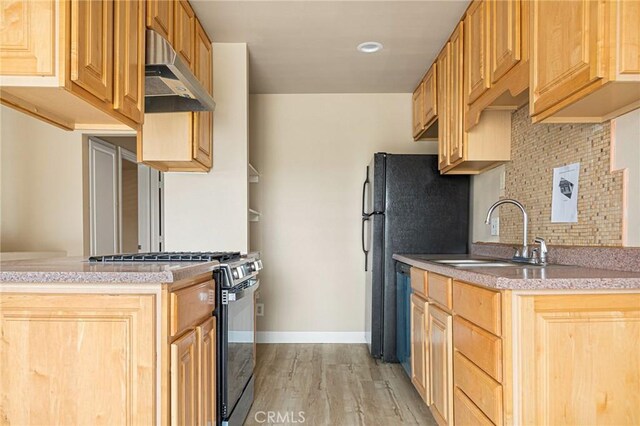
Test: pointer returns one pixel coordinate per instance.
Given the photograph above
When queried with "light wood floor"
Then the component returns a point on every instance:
(333, 384)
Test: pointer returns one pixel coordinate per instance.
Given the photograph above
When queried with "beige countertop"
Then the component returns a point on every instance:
(79, 270)
(526, 277)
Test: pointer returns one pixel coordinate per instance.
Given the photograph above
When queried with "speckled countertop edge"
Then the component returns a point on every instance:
(172, 273)
(494, 281)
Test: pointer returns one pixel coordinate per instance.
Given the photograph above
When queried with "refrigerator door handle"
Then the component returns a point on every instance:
(364, 249)
(364, 192)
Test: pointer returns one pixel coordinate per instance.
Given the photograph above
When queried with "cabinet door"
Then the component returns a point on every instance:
(81, 359)
(184, 36)
(430, 101)
(419, 346)
(27, 37)
(628, 39)
(160, 17)
(185, 381)
(581, 360)
(476, 50)
(129, 46)
(440, 365)
(566, 49)
(92, 47)
(417, 110)
(455, 98)
(206, 333)
(442, 81)
(505, 37)
(203, 121)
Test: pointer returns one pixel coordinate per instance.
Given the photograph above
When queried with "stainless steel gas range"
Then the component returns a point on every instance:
(237, 281)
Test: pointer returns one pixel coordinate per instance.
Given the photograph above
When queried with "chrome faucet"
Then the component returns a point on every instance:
(524, 252)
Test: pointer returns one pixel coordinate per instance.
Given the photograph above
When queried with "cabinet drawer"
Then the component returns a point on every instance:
(439, 288)
(481, 347)
(478, 305)
(485, 392)
(418, 281)
(465, 412)
(190, 305)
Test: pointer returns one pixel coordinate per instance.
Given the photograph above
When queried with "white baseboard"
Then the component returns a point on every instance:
(311, 337)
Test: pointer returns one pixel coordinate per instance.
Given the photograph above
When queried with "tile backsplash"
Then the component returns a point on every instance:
(535, 150)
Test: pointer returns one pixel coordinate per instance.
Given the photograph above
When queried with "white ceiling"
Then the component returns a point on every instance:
(310, 46)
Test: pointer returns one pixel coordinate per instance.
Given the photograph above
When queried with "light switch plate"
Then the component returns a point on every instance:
(495, 226)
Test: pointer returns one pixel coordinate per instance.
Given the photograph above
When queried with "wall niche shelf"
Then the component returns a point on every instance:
(254, 175)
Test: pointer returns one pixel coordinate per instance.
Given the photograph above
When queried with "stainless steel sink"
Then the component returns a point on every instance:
(477, 263)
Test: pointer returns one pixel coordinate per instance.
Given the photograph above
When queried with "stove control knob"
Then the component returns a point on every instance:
(234, 272)
(251, 267)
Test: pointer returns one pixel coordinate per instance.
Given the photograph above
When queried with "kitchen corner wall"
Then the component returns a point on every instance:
(604, 198)
(41, 201)
(209, 211)
(312, 151)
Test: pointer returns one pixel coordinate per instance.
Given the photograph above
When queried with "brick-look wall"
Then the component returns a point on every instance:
(535, 150)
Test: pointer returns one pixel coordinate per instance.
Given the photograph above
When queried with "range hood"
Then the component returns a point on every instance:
(170, 86)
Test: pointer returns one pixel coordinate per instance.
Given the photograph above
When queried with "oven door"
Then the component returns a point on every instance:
(237, 345)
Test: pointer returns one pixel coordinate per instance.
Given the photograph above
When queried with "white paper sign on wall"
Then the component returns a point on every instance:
(564, 200)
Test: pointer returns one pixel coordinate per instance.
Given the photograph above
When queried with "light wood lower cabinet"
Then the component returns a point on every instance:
(580, 359)
(77, 359)
(510, 358)
(440, 365)
(185, 380)
(419, 347)
(207, 349)
(108, 358)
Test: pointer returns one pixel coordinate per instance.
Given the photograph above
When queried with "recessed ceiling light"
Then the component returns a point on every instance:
(370, 47)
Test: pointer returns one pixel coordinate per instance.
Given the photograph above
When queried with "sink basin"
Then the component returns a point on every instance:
(476, 263)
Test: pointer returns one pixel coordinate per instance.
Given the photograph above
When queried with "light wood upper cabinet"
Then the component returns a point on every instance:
(585, 65)
(496, 67)
(92, 47)
(203, 121)
(444, 102)
(27, 37)
(185, 381)
(425, 108)
(418, 115)
(129, 47)
(184, 40)
(206, 334)
(440, 365)
(505, 36)
(160, 17)
(456, 108)
(430, 98)
(566, 56)
(476, 49)
(77, 359)
(419, 348)
(75, 64)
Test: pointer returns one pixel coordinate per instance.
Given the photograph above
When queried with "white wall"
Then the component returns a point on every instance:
(208, 211)
(311, 151)
(626, 155)
(485, 190)
(41, 184)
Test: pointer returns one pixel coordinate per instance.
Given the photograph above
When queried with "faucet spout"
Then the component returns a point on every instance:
(525, 219)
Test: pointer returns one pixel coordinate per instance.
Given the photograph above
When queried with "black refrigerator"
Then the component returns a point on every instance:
(407, 207)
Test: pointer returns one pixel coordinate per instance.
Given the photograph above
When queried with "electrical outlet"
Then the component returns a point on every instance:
(260, 309)
(495, 226)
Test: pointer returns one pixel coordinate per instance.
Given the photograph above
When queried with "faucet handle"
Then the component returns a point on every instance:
(517, 253)
(542, 254)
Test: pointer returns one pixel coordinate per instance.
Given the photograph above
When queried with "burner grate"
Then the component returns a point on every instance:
(186, 256)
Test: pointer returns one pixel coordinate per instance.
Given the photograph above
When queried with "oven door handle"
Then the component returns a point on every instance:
(235, 295)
